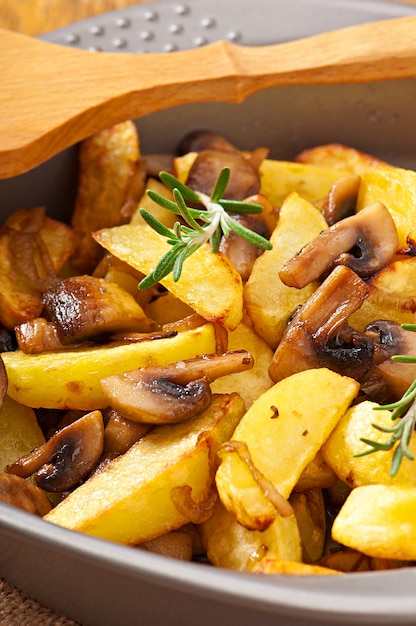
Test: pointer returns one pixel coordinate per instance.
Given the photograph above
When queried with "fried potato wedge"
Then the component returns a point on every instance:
(316, 475)
(142, 493)
(19, 432)
(339, 156)
(396, 188)
(71, 379)
(232, 546)
(108, 161)
(380, 521)
(209, 283)
(345, 442)
(33, 251)
(274, 566)
(163, 215)
(283, 431)
(251, 383)
(392, 295)
(312, 182)
(268, 301)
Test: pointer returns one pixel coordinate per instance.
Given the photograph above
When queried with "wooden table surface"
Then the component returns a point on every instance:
(34, 17)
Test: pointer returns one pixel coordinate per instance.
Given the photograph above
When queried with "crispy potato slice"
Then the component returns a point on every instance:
(19, 432)
(392, 295)
(163, 215)
(317, 474)
(379, 520)
(345, 442)
(138, 495)
(312, 182)
(338, 156)
(209, 283)
(232, 546)
(283, 431)
(33, 251)
(108, 161)
(252, 383)
(267, 300)
(71, 379)
(396, 188)
(274, 566)
(167, 308)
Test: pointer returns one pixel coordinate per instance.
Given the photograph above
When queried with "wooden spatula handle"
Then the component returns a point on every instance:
(52, 96)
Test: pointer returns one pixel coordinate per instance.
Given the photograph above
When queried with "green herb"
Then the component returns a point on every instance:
(401, 433)
(201, 225)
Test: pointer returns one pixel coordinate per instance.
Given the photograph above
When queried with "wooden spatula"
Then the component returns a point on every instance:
(52, 96)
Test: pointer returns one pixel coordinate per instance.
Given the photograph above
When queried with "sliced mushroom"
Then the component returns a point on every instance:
(199, 140)
(84, 306)
(242, 253)
(244, 177)
(18, 492)
(364, 242)
(38, 335)
(318, 334)
(342, 198)
(391, 339)
(67, 457)
(120, 433)
(171, 394)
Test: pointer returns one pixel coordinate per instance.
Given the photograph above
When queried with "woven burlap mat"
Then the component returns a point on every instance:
(18, 609)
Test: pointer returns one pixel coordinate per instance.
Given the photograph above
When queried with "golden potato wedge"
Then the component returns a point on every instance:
(339, 156)
(33, 250)
(379, 520)
(209, 283)
(281, 178)
(345, 442)
(392, 295)
(163, 215)
(396, 188)
(167, 308)
(145, 492)
(108, 161)
(267, 300)
(232, 546)
(274, 566)
(19, 432)
(317, 474)
(283, 431)
(71, 379)
(252, 383)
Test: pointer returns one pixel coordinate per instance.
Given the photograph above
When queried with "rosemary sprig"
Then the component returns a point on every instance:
(403, 410)
(199, 225)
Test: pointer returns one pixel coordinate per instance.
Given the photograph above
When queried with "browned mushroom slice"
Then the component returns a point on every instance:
(364, 242)
(67, 457)
(391, 339)
(318, 335)
(120, 433)
(242, 253)
(244, 176)
(342, 198)
(39, 335)
(174, 393)
(18, 492)
(86, 306)
(198, 140)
